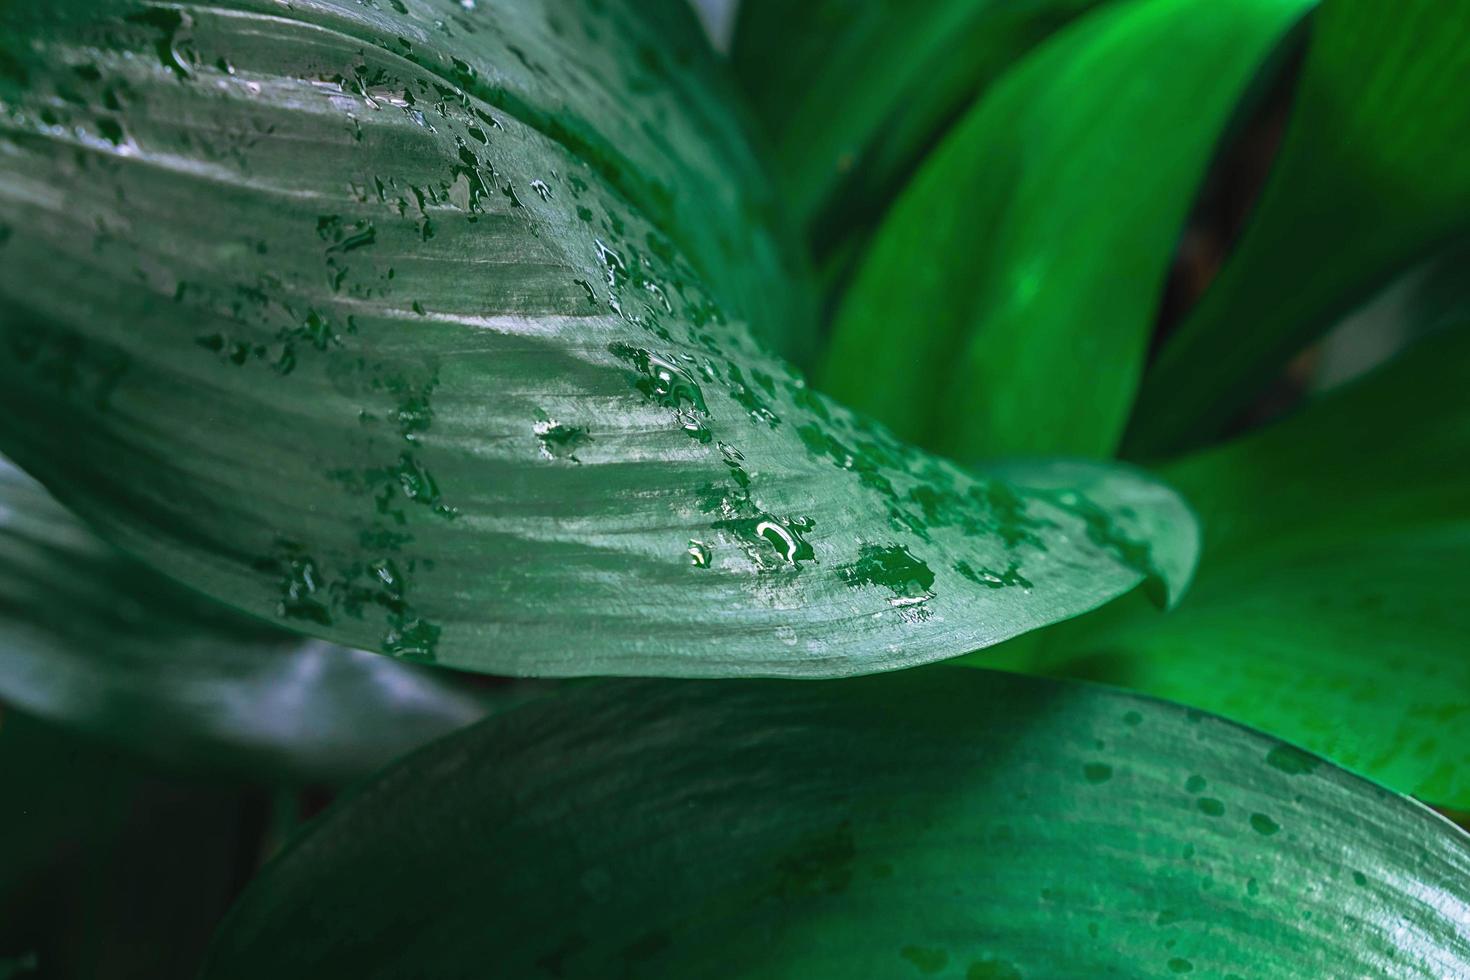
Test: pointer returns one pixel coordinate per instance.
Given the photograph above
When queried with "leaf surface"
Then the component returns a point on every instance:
(1373, 176)
(853, 94)
(340, 331)
(1006, 303)
(934, 822)
(94, 640)
(1329, 606)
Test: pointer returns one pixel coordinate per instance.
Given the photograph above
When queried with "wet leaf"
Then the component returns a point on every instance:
(1006, 303)
(934, 822)
(97, 641)
(350, 330)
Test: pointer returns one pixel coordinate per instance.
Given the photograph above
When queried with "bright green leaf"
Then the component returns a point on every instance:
(934, 822)
(853, 93)
(335, 331)
(1330, 604)
(94, 640)
(1373, 176)
(1006, 303)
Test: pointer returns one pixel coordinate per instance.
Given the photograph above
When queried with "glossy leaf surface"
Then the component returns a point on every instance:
(853, 93)
(1006, 303)
(311, 310)
(94, 640)
(934, 822)
(1330, 603)
(1373, 176)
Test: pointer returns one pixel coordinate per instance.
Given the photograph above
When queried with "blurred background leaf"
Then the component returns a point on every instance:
(1007, 301)
(1373, 177)
(109, 870)
(96, 641)
(852, 94)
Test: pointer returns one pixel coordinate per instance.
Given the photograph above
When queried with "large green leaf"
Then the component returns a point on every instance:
(929, 823)
(853, 93)
(1330, 603)
(1374, 175)
(1006, 303)
(319, 321)
(93, 639)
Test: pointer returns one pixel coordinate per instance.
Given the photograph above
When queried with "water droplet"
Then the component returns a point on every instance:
(894, 568)
(1210, 806)
(560, 441)
(1097, 772)
(764, 534)
(662, 380)
(925, 959)
(780, 536)
(1291, 760)
(1264, 825)
(992, 970)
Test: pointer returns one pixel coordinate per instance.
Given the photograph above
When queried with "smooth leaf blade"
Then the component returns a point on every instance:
(1006, 303)
(97, 642)
(332, 339)
(933, 822)
(1329, 607)
(1373, 176)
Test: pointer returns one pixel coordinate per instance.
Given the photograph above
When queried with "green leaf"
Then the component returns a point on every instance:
(1114, 497)
(1330, 604)
(1373, 176)
(932, 822)
(1006, 303)
(99, 642)
(854, 93)
(337, 334)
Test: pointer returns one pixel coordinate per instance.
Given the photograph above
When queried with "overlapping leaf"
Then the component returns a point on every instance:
(351, 317)
(1373, 176)
(929, 823)
(854, 93)
(1330, 604)
(1006, 303)
(95, 640)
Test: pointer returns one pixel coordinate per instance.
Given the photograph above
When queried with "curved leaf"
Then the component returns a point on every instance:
(1006, 303)
(854, 93)
(1373, 176)
(929, 823)
(94, 640)
(329, 336)
(1330, 605)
